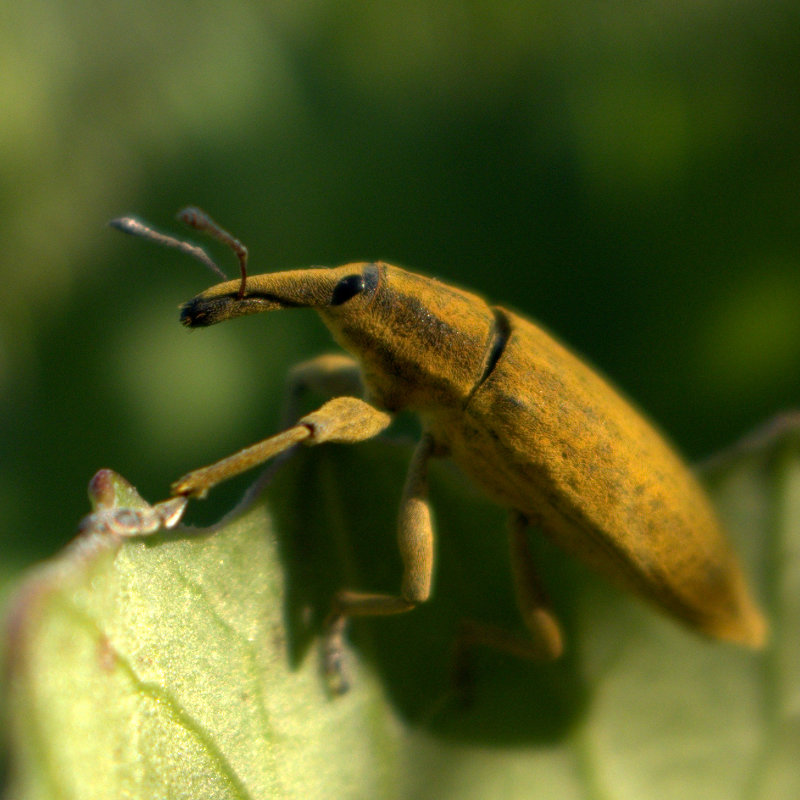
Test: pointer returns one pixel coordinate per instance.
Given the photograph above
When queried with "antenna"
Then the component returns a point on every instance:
(200, 221)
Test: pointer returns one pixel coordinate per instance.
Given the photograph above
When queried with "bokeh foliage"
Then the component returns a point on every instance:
(625, 173)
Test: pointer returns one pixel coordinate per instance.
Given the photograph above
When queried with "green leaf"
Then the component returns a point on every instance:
(185, 664)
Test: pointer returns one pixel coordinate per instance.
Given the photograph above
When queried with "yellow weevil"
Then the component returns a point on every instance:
(541, 432)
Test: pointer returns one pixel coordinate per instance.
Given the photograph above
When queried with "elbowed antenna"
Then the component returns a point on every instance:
(135, 227)
(198, 219)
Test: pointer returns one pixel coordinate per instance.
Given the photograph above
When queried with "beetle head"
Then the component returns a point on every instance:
(419, 341)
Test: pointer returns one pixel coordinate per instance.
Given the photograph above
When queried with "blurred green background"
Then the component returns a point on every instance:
(625, 173)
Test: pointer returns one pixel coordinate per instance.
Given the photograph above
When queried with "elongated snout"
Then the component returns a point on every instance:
(301, 288)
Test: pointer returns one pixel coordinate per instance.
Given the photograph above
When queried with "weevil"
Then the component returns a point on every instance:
(540, 431)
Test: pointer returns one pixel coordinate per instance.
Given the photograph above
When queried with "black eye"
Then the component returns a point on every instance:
(346, 288)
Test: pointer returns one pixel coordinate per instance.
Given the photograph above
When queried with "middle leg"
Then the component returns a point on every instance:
(544, 641)
(415, 540)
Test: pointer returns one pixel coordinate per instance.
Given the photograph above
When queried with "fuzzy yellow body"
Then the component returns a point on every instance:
(539, 430)
(546, 435)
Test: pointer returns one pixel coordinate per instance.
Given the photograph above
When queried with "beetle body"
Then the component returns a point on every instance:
(541, 432)
(564, 448)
